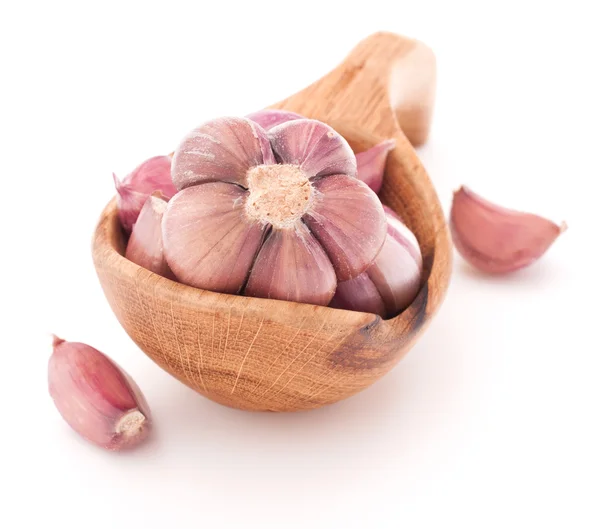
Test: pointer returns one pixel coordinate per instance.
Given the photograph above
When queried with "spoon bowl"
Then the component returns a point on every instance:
(259, 354)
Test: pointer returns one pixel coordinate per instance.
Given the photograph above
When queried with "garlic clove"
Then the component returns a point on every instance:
(96, 397)
(152, 175)
(314, 146)
(371, 164)
(222, 149)
(400, 232)
(396, 272)
(495, 239)
(209, 241)
(292, 266)
(269, 118)
(348, 220)
(359, 294)
(391, 283)
(145, 246)
(390, 213)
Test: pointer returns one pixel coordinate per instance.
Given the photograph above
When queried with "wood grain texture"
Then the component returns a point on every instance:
(258, 354)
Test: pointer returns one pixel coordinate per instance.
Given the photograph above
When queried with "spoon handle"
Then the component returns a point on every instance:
(386, 83)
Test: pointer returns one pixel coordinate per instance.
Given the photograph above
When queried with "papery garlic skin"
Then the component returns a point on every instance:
(145, 246)
(152, 175)
(96, 397)
(316, 148)
(391, 283)
(497, 240)
(269, 118)
(222, 149)
(363, 228)
(359, 294)
(208, 240)
(371, 164)
(276, 272)
(275, 214)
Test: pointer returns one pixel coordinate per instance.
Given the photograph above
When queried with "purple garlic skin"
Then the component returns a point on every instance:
(276, 271)
(96, 397)
(145, 246)
(132, 192)
(371, 164)
(277, 214)
(391, 283)
(269, 118)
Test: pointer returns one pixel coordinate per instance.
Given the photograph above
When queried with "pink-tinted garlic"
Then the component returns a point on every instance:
(152, 175)
(495, 239)
(145, 246)
(255, 203)
(221, 150)
(351, 233)
(315, 148)
(208, 240)
(359, 294)
(290, 266)
(269, 118)
(371, 164)
(391, 283)
(391, 213)
(96, 397)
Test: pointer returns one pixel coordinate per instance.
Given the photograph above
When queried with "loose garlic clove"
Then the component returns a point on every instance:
(269, 118)
(152, 175)
(371, 164)
(145, 246)
(495, 239)
(391, 283)
(314, 147)
(292, 266)
(223, 150)
(348, 220)
(209, 242)
(96, 397)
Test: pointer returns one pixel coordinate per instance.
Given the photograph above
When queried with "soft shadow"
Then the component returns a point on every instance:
(537, 275)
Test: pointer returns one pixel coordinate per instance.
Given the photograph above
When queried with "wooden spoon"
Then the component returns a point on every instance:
(258, 354)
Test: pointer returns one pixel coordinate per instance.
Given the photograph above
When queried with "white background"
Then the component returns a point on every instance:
(490, 421)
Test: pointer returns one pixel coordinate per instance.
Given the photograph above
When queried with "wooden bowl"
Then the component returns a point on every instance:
(258, 354)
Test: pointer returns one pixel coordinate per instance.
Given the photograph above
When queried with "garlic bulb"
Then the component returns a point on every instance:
(96, 397)
(152, 175)
(497, 240)
(371, 164)
(145, 246)
(279, 213)
(391, 283)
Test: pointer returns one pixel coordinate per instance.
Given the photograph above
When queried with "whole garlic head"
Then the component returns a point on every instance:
(275, 214)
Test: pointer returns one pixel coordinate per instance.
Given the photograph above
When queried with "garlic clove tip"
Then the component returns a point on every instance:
(56, 341)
